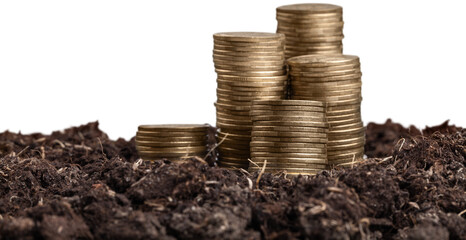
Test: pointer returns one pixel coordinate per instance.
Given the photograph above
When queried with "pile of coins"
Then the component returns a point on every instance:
(290, 135)
(311, 28)
(171, 141)
(249, 66)
(335, 80)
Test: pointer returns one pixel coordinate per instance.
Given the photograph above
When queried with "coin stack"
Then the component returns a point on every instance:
(311, 28)
(290, 134)
(336, 80)
(249, 66)
(171, 141)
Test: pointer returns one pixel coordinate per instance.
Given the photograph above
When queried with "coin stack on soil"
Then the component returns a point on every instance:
(336, 80)
(171, 141)
(249, 66)
(290, 134)
(311, 28)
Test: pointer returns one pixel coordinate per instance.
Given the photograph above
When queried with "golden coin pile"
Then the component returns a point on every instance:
(290, 134)
(336, 80)
(311, 28)
(171, 141)
(249, 66)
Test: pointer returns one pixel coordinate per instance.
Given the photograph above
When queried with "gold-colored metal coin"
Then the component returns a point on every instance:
(254, 93)
(247, 79)
(174, 127)
(288, 159)
(311, 30)
(276, 54)
(304, 155)
(251, 73)
(171, 144)
(291, 165)
(327, 69)
(319, 60)
(289, 139)
(317, 39)
(170, 134)
(236, 126)
(287, 145)
(289, 118)
(184, 149)
(289, 103)
(256, 133)
(287, 108)
(248, 58)
(288, 150)
(335, 85)
(172, 139)
(252, 83)
(326, 74)
(250, 62)
(272, 43)
(246, 99)
(292, 123)
(290, 129)
(308, 8)
(231, 107)
(287, 113)
(347, 77)
(251, 49)
(149, 154)
(247, 36)
(245, 89)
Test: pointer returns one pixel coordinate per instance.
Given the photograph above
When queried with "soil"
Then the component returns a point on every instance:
(79, 184)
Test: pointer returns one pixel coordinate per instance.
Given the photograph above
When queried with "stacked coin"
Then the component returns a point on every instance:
(249, 66)
(311, 28)
(290, 134)
(171, 141)
(336, 80)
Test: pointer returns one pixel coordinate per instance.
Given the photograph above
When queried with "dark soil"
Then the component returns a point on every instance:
(78, 184)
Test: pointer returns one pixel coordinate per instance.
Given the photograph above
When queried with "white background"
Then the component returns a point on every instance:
(125, 63)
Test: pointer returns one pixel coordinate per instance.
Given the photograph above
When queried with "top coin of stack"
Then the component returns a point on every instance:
(171, 141)
(336, 80)
(290, 135)
(311, 28)
(249, 66)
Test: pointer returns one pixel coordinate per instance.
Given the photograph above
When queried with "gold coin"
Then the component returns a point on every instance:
(326, 74)
(271, 154)
(249, 58)
(289, 103)
(287, 145)
(247, 36)
(291, 165)
(289, 118)
(246, 99)
(247, 79)
(248, 44)
(348, 77)
(183, 149)
(330, 103)
(251, 49)
(286, 113)
(289, 139)
(174, 127)
(325, 60)
(276, 54)
(317, 39)
(336, 85)
(284, 27)
(316, 34)
(327, 69)
(256, 133)
(287, 108)
(245, 89)
(292, 123)
(311, 30)
(149, 154)
(310, 8)
(290, 129)
(257, 94)
(172, 135)
(171, 144)
(172, 139)
(250, 62)
(236, 126)
(231, 107)
(251, 73)
(251, 83)
(288, 150)
(288, 159)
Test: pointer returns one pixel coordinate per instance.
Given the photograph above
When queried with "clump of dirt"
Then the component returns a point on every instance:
(78, 184)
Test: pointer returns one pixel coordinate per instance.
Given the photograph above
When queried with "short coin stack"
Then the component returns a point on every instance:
(171, 141)
(335, 80)
(249, 66)
(311, 28)
(290, 134)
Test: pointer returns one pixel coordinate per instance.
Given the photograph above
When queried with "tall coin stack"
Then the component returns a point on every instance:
(171, 141)
(249, 66)
(290, 134)
(311, 28)
(336, 80)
